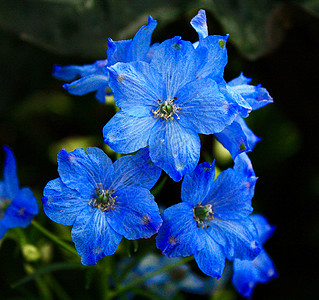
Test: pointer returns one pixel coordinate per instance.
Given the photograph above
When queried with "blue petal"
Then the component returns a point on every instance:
(248, 273)
(176, 61)
(174, 148)
(211, 258)
(61, 204)
(178, 235)
(87, 84)
(135, 214)
(243, 107)
(239, 239)
(244, 166)
(231, 194)
(21, 210)
(197, 184)
(11, 182)
(117, 51)
(80, 173)
(199, 23)
(237, 137)
(241, 79)
(264, 229)
(213, 53)
(101, 165)
(70, 72)
(141, 42)
(255, 96)
(135, 170)
(126, 134)
(136, 87)
(204, 108)
(93, 237)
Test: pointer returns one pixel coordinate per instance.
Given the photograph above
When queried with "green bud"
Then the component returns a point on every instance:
(30, 253)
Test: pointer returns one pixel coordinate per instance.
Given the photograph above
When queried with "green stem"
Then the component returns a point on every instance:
(147, 276)
(53, 237)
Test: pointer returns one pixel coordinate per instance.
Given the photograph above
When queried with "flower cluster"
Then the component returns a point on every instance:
(168, 93)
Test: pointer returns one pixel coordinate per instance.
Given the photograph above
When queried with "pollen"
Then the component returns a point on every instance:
(103, 199)
(166, 110)
(202, 214)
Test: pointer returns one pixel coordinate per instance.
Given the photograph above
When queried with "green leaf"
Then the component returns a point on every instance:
(252, 24)
(74, 27)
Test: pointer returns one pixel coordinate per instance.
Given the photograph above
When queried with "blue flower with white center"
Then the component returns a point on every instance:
(212, 220)
(103, 201)
(17, 206)
(166, 103)
(236, 137)
(248, 273)
(95, 77)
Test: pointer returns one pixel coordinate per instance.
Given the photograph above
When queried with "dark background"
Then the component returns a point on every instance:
(275, 43)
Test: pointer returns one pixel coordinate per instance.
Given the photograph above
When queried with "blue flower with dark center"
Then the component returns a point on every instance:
(95, 77)
(103, 201)
(17, 206)
(212, 220)
(166, 103)
(248, 273)
(236, 137)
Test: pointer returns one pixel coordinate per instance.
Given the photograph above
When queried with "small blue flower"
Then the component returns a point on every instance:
(236, 137)
(95, 77)
(168, 283)
(103, 201)
(248, 273)
(17, 206)
(166, 103)
(212, 221)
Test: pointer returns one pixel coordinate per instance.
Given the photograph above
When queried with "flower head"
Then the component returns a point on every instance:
(236, 137)
(247, 273)
(103, 201)
(95, 77)
(17, 206)
(212, 220)
(166, 103)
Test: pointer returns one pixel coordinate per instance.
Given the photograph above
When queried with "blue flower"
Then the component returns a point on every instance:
(168, 283)
(248, 273)
(236, 137)
(212, 221)
(95, 77)
(103, 201)
(166, 103)
(17, 206)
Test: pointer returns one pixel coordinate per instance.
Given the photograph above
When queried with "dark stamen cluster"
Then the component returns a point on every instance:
(202, 214)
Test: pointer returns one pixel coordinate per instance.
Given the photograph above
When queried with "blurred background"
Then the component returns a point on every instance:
(273, 42)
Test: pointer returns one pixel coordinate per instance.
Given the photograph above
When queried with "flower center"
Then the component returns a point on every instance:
(202, 214)
(167, 109)
(103, 200)
(4, 203)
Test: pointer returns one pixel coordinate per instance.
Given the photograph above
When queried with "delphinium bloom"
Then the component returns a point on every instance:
(103, 201)
(166, 103)
(212, 220)
(248, 273)
(95, 77)
(167, 284)
(236, 137)
(17, 206)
